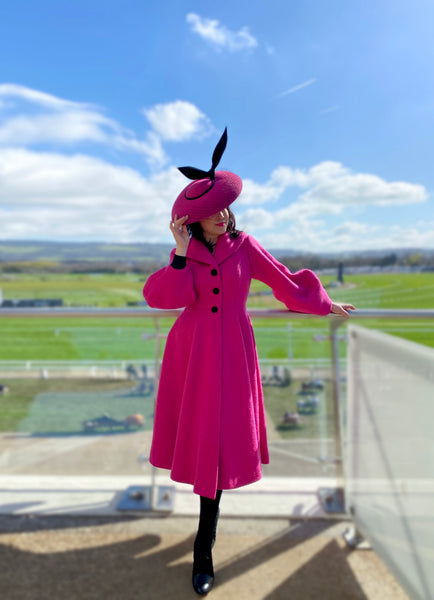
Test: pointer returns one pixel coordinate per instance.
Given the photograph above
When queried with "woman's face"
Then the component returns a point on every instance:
(215, 225)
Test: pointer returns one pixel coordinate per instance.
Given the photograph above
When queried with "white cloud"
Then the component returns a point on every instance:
(303, 208)
(330, 109)
(178, 121)
(219, 35)
(255, 219)
(51, 196)
(255, 193)
(317, 237)
(60, 122)
(285, 176)
(354, 235)
(280, 179)
(52, 120)
(12, 90)
(360, 189)
(67, 127)
(53, 179)
(47, 194)
(329, 187)
(296, 88)
(345, 233)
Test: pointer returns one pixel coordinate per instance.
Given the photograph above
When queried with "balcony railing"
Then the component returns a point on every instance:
(364, 448)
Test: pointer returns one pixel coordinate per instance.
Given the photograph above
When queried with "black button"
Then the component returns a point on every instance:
(216, 291)
(214, 309)
(214, 272)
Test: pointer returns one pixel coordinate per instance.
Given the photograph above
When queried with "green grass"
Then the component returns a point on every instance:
(317, 425)
(57, 407)
(385, 290)
(122, 339)
(102, 338)
(75, 290)
(45, 398)
(74, 339)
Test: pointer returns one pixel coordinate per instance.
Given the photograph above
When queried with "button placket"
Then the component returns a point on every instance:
(216, 290)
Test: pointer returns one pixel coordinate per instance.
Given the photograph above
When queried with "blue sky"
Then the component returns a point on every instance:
(329, 107)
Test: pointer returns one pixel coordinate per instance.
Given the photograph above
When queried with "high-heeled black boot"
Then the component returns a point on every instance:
(203, 570)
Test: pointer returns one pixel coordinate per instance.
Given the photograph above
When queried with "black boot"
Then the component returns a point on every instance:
(203, 571)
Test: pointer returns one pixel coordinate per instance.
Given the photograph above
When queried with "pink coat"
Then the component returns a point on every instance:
(209, 427)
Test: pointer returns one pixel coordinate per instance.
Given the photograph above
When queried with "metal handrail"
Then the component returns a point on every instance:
(92, 311)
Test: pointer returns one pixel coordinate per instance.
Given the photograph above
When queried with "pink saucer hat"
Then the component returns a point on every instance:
(210, 192)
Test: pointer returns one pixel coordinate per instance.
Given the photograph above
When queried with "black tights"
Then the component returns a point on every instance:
(206, 533)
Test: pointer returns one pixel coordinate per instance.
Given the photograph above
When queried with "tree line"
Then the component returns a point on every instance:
(316, 262)
(80, 267)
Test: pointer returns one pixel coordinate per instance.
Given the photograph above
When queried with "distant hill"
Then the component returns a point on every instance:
(348, 254)
(22, 250)
(88, 256)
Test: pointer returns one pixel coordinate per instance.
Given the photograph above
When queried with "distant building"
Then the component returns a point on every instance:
(341, 272)
(31, 303)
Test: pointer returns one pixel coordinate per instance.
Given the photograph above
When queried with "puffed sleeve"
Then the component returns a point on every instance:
(300, 292)
(170, 287)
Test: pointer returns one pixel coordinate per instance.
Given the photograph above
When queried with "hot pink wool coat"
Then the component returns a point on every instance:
(209, 427)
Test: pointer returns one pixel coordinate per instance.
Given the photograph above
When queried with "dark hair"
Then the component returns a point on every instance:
(195, 230)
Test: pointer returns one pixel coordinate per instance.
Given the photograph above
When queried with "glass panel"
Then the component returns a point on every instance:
(74, 416)
(297, 382)
(61, 421)
(389, 462)
(78, 396)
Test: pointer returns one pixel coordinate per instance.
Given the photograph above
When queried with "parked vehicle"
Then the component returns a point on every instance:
(315, 384)
(291, 418)
(308, 405)
(106, 422)
(277, 376)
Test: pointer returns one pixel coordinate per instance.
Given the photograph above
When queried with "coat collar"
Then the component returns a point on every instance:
(225, 247)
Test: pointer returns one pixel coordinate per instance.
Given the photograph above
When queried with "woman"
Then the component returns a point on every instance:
(209, 427)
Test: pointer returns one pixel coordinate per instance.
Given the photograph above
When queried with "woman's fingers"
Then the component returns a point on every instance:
(180, 222)
(342, 309)
(179, 231)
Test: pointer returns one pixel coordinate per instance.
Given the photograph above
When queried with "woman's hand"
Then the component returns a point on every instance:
(181, 235)
(341, 309)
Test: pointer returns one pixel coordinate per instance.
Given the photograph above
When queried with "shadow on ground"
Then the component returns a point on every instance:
(85, 559)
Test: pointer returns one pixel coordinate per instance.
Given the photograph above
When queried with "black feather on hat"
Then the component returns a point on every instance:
(210, 192)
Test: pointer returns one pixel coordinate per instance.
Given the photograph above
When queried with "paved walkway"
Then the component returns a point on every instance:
(79, 558)
(63, 537)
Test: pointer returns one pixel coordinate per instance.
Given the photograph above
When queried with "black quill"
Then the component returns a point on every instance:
(193, 173)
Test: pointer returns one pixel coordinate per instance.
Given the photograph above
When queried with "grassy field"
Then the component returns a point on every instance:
(385, 290)
(319, 424)
(27, 339)
(75, 290)
(32, 405)
(122, 339)
(58, 407)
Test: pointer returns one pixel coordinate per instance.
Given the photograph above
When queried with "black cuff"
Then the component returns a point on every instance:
(179, 262)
